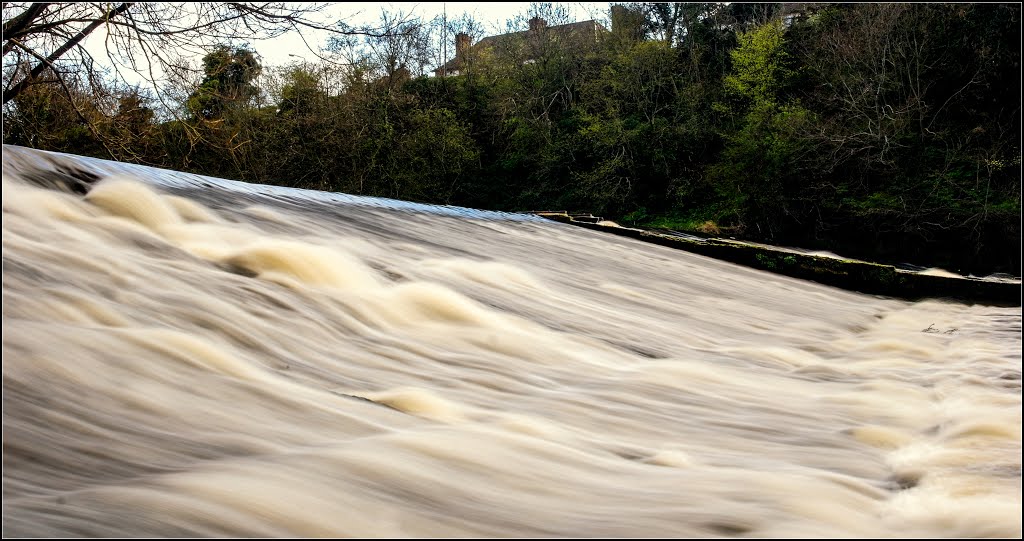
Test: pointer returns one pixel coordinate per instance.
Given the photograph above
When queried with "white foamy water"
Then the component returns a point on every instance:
(202, 360)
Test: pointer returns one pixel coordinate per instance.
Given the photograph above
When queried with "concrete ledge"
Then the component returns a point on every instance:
(865, 277)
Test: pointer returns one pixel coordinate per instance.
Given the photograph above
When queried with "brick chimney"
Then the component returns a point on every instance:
(462, 41)
(627, 23)
(537, 24)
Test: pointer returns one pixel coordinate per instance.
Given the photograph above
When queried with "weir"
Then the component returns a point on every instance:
(186, 356)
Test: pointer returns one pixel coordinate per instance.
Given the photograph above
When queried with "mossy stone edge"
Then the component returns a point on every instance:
(860, 276)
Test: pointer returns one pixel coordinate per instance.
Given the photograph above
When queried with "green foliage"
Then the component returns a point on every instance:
(760, 66)
(301, 94)
(434, 155)
(761, 164)
(228, 82)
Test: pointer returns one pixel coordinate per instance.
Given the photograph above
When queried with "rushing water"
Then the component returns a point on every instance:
(200, 358)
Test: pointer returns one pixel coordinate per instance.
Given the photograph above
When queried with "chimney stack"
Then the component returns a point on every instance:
(537, 23)
(626, 22)
(462, 41)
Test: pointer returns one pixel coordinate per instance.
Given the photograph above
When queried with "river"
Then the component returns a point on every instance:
(195, 357)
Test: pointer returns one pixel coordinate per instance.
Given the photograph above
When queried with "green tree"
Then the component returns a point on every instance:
(301, 94)
(228, 82)
(434, 156)
(761, 67)
(762, 168)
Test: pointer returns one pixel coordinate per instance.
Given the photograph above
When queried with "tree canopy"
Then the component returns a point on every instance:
(886, 131)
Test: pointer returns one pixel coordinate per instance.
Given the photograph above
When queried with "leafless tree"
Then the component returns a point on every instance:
(405, 50)
(874, 68)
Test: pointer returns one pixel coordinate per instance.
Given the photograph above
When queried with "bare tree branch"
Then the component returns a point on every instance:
(14, 91)
(14, 27)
